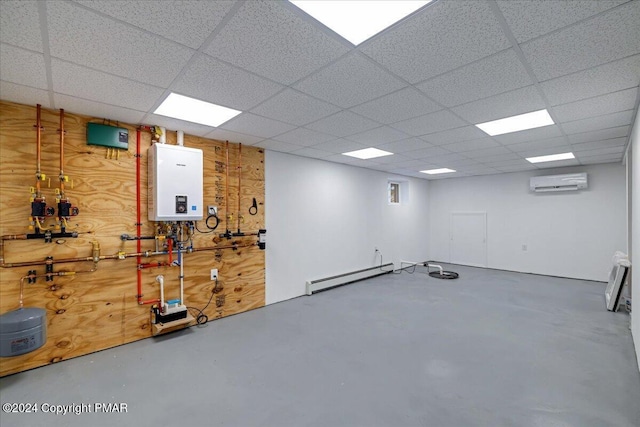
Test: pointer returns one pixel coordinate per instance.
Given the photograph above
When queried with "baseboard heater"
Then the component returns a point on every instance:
(318, 285)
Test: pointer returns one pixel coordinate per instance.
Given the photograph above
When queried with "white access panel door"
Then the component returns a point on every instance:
(468, 243)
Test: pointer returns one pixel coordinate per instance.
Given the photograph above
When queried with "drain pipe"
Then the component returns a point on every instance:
(160, 279)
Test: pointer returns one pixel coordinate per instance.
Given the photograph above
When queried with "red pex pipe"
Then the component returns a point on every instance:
(138, 223)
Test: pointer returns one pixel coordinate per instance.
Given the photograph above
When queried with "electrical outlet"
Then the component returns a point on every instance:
(212, 210)
(214, 274)
(375, 249)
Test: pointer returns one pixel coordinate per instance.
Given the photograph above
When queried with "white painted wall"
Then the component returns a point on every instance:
(635, 236)
(326, 218)
(569, 234)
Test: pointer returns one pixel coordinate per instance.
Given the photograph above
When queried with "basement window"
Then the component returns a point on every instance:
(394, 193)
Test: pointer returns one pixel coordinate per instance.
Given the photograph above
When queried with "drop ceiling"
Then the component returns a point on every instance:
(416, 89)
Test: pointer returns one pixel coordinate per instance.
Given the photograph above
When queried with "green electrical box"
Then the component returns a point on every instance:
(107, 136)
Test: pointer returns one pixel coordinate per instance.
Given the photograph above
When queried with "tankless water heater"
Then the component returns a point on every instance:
(175, 183)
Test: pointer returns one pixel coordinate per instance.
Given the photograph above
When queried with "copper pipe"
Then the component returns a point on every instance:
(213, 248)
(9, 237)
(61, 176)
(226, 184)
(93, 258)
(38, 149)
(58, 273)
(239, 181)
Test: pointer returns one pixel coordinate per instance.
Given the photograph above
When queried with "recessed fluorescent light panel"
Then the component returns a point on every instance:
(517, 123)
(196, 111)
(368, 153)
(551, 158)
(358, 20)
(438, 171)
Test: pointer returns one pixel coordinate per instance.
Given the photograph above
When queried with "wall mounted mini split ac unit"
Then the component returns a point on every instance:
(566, 182)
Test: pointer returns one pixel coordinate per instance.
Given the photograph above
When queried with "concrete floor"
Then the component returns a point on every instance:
(492, 348)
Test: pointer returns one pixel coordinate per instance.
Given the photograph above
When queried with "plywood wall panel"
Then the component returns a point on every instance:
(92, 311)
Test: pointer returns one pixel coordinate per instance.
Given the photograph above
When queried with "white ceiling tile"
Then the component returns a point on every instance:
(413, 165)
(116, 48)
(445, 176)
(600, 105)
(22, 66)
(536, 134)
(441, 37)
(256, 125)
(607, 37)
(227, 135)
(557, 164)
(606, 158)
(401, 105)
(514, 163)
(186, 22)
(529, 19)
(424, 153)
(311, 152)
(519, 101)
(430, 123)
(20, 24)
(620, 149)
(516, 167)
(97, 109)
(293, 107)
(615, 142)
(621, 118)
(476, 144)
(173, 125)
(464, 163)
(496, 158)
(211, 80)
(268, 39)
(283, 147)
(448, 159)
(545, 151)
(478, 169)
(487, 152)
(601, 80)
(74, 80)
(377, 136)
(343, 124)
(350, 81)
(559, 141)
(490, 76)
(348, 160)
(23, 94)
(402, 170)
(304, 137)
(465, 133)
(404, 145)
(339, 146)
(391, 160)
(598, 135)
